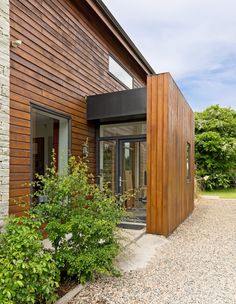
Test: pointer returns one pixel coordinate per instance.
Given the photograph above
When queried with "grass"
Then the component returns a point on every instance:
(222, 193)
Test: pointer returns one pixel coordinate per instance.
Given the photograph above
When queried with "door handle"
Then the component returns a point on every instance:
(120, 181)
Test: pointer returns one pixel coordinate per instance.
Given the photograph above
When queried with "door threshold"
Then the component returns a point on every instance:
(132, 225)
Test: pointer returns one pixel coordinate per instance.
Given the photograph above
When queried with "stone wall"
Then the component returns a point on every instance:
(4, 107)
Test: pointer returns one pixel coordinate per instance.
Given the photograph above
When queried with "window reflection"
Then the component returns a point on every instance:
(120, 73)
(133, 128)
(49, 132)
(188, 161)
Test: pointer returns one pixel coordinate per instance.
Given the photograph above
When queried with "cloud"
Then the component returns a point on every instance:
(194, 40)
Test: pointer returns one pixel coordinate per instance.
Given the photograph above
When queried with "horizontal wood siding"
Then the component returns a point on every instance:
(62, 59)
(170, 126)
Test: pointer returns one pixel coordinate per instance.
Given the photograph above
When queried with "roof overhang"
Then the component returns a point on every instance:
(106, 16)
(126, 105)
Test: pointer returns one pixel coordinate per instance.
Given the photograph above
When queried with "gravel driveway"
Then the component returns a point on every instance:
(196, 265)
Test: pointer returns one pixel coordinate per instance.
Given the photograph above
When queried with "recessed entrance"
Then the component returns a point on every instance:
(170, 126)
(122, 164)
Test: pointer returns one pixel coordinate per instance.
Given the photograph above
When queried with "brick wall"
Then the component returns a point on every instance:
(4, 107)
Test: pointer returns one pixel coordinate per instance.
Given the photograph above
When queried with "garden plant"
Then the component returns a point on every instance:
(78, 217)
(216, 147)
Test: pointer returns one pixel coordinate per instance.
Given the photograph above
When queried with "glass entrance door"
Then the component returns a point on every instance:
(133, 176)
(123, 168)
(122, 163)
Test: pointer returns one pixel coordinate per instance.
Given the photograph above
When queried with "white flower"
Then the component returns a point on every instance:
(101, 241)
(206, 177)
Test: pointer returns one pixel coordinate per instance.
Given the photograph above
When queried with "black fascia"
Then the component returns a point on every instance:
(117, 106)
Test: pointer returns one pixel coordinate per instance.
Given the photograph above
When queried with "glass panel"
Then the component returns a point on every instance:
(108, 164)
(133, 177)
(124, 129)
(120, 73)
(143, 172)
(63, 153)
(188, 161)
(49, 132)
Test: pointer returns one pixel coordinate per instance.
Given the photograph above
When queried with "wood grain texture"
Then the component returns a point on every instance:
(170, 126)
(63, 58)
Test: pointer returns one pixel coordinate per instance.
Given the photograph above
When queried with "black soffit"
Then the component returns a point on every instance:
(117, 106)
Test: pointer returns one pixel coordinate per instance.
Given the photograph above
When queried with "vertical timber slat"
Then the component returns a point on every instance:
(170, 126)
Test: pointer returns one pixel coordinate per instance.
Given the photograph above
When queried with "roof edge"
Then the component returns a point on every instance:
(119, 28)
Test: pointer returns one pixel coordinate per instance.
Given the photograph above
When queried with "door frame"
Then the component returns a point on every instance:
(121, 158)
(118, 140)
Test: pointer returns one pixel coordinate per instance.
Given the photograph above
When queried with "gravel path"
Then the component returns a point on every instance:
(197, 265)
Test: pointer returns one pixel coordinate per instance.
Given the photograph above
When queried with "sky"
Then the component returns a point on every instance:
(194, 40)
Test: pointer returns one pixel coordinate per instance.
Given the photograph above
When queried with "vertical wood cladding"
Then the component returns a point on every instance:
(62, 59)
(170, 127)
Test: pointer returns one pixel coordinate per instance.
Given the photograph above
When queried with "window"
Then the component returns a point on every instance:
(49, 132)
(120, 73)
(123, 129)
(188, 162)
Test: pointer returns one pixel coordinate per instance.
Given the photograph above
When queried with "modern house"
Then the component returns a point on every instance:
(69, 72)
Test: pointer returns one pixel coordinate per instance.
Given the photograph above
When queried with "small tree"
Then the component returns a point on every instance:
(81, 221)
(216, 147)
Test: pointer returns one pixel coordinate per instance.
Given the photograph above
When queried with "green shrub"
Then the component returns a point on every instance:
(81, 221)
(27, 273)
(197, 187)
(216, 181)
(216, 147)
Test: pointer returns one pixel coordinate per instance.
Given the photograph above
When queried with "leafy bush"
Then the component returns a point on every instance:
(81, 221)
(216, 147)
(27, 273)
(197, 187)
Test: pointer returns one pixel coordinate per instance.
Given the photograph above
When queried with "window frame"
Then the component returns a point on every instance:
(124, 68)
(188, 162)
(47, 110)
(141, 123)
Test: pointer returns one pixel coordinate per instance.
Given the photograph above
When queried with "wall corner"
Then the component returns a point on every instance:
(4, 108)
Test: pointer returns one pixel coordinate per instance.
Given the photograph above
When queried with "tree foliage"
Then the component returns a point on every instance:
(28, 273)
(216, 147)
(81, 221)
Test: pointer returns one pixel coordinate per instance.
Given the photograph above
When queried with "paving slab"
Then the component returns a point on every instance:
(139, 253)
